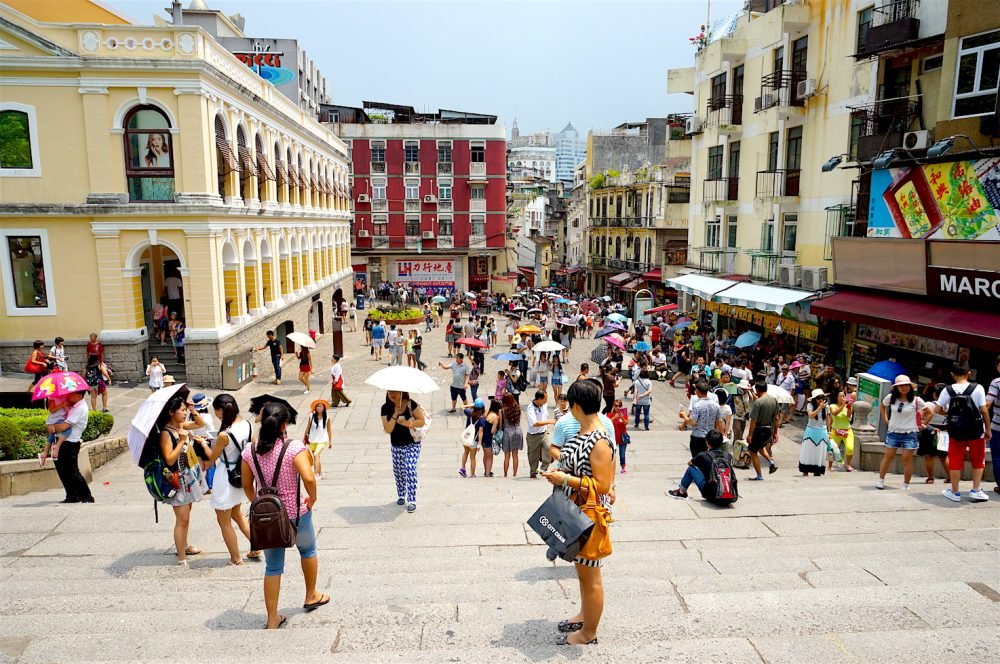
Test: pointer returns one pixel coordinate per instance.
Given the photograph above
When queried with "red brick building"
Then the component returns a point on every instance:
(429, 194)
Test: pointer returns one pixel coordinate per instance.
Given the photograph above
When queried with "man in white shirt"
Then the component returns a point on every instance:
(337, 393)
(67, 465)
(959, 442)
(786, 380)
(537, 413)
(173, 288)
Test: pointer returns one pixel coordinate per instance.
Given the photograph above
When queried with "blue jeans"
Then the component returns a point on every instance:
(305, 542)
(995, 451)
(621, 453)
(692, 474)
(644, 409)
(276, 363)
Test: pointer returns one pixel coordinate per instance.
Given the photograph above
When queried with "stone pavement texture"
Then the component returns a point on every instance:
(801, 569)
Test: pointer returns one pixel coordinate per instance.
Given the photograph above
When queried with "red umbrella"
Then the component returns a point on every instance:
(588, 306)
(474, 343)
(665, 307)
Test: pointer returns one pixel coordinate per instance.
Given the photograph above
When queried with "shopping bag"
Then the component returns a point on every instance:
(561, 524)
(942, 441)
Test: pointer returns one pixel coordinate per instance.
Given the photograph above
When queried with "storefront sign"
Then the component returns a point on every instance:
(956, 284)
(769, 322)
(935, 347)
(431, 274)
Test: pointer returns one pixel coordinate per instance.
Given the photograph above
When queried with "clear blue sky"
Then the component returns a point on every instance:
(596, 63)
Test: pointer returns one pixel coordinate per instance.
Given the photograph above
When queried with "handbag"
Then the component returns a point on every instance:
(469, 437)
(626, 438)
(561, 524)
(598, 543)
(419, 432)
(942, 441)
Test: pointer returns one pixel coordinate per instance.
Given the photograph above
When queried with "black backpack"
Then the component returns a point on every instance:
(270, 527)
(234, 469)
(964, 420)
(720, 489)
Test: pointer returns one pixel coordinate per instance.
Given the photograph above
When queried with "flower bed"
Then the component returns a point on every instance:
(399, 316)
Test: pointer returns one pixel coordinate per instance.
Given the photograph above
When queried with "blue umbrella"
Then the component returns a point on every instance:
(605, 331)
(887, 369)
(747, 339)
(680, 326)
(439, 299)
(618, 318)
(563, 300)
(508, 357)
(643, 346)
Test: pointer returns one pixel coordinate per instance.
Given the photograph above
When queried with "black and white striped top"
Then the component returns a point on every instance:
(574, 458)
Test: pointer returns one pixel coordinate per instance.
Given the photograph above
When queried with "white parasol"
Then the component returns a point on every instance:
(548, 347)
(781, 394)
(145, 418)
(403, 379)
(301, 338)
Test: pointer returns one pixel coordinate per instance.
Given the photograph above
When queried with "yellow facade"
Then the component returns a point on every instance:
(758, 202)
(101, 218)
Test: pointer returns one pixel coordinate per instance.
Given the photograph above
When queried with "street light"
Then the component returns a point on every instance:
(945, 144)
(884, 159)
(833, 162)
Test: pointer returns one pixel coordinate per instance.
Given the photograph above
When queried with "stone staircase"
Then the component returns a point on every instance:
(165, 353)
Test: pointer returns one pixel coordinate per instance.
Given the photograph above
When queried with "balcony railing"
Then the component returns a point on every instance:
(411, 168)
(444, 168)
(477, 169)
(411, 242)
(724, 110)
(477, 241)
(779, 88)
(477, 205)
(881, 124)
(841, 222)
(721, 189)
(679, 196)
(622, 222)
(378, 167)
(380, 205)
(445, 206)
(446, 242)
(893, 23)
(781, 182)
(380, 241)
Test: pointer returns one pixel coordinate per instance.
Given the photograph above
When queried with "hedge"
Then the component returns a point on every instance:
(395, 314)
(23, 431)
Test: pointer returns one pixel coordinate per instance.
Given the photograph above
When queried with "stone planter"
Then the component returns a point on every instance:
(18, 478)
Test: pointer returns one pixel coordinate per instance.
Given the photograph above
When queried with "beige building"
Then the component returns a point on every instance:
(773, 102)
(142, 162)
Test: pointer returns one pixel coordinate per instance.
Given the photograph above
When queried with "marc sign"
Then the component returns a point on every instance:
(951, 283)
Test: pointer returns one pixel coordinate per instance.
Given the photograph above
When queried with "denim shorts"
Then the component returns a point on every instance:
(904, 441)
(305, 542)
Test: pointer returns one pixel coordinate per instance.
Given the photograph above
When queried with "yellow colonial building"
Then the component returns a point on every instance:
(140, 163)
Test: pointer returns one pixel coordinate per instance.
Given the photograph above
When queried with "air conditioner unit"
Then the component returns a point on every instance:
(428, 235)
(363, 198)
(789, 275)
(814, 278)
(916, 140)
(362, 233)
(806, 88)
(692, 125)
(767, 100)
(430, 198)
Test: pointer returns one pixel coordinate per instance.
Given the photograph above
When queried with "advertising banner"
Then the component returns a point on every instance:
(956, 200)
(437, 273)
(873, 389)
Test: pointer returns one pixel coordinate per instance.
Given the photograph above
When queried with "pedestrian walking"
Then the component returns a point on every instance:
(763, 429)
(964, 405)
(274, 347)
(609, 381)
(226, 498)
(400, 416)
(57, 355)
(589, 454)
(418, 349)
(816, 437)
(841, 434)
(619, 418)
(274, 456)
(411, 356)
(643, 398)
(67, 465)
(470, 443)
(539, 421)
(927, 439)
(993, 402)
(352, 316)
(378, 340)
(305, 368)
(98, 380)
(489, 433)
(459, 379)
(37, 364)
(319, 433)
(337, 394)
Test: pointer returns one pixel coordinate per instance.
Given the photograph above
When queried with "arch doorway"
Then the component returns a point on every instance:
(281, 334)
(160, 277)
(316, 317)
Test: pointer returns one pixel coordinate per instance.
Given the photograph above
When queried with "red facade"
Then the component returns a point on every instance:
(495, 194)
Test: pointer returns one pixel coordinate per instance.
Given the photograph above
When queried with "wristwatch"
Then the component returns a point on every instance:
(565, 481)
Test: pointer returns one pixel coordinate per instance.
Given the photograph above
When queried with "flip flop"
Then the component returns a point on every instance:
(192, 551)
(281, 624)
(253, 555)
(567, 626)
(564, 641)
(323, 600)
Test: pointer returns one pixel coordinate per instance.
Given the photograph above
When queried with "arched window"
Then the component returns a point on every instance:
(261, 159)
(246, 166)
(149, 160)
(618, 247)
(18, 140)
(222, 164)
(649, 251)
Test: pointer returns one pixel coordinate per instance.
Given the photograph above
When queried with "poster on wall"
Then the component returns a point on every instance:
(956, 200)
(437, 274)
(873, 390)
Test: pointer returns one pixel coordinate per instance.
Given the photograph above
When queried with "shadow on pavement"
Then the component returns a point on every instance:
(533, 638)
(361, 515)
(546, 572)
(238, 619)
(145, 558)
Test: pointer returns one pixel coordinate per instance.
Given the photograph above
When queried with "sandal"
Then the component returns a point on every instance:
(929, 480)
(312, 606)
(564, 641)
(253, 555)
(567, 626)
(234, 563)
(281, 623)
(192, 550)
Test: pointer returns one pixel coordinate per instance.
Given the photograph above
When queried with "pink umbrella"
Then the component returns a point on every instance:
(683, 319)
(617, 326)
(566, 321)
(59, 384)
(615, 340)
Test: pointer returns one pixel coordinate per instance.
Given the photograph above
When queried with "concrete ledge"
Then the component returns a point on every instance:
(18, 478)
(871, 457)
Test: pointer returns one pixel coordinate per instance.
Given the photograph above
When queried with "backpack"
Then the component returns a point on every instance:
(720, 489)
(161, 482)
(234, 469)
(270, 527)
(964, 421)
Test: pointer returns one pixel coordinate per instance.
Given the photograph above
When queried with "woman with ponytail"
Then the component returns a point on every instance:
(226, 498)
(295, 466)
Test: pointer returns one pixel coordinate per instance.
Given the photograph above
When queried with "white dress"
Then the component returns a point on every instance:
(224, 495)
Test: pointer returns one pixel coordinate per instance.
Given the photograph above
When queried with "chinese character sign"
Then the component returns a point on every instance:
(956, 200)
(431, 273)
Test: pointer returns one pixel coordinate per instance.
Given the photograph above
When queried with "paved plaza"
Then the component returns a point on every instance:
(801, 569)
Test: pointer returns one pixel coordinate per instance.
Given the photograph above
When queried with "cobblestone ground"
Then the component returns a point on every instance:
(819, 569)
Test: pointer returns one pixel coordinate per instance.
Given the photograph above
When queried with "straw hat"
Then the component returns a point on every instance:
(903, 379)
(169, 380)
(312, 406)
(745, 384)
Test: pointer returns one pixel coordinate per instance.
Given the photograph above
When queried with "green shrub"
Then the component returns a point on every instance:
(99, 424)
(395, 314)
(32, 430)
(12, 442)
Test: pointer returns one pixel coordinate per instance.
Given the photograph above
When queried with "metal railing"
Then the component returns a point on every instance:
(444, 168)
(780, 182)
(779, 88)
(378, 167)
(886, 115)
(724, 110)
(621, 222)
(721, 189)
(411, 168)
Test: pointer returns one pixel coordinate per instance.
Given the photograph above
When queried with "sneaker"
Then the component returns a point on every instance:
(906, 487)
(677, 493)
(759, 478)
(772, 469)
(400, 501)
(411, 508)
(624, 470)
(461, 471)
(880, 483)
(978, 496)
(951, 495)
(305, 391)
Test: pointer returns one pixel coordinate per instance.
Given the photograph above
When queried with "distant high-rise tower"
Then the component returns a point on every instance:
(570, 150)
(514, 131)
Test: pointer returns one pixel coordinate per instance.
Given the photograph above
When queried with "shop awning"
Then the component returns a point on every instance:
(619, 279)
(656, 274)
(762, 298)
(632, 285)
(574, 270)
(955, 324)
(699, 285)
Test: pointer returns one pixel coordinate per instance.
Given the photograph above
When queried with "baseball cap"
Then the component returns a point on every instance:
(478, 403)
